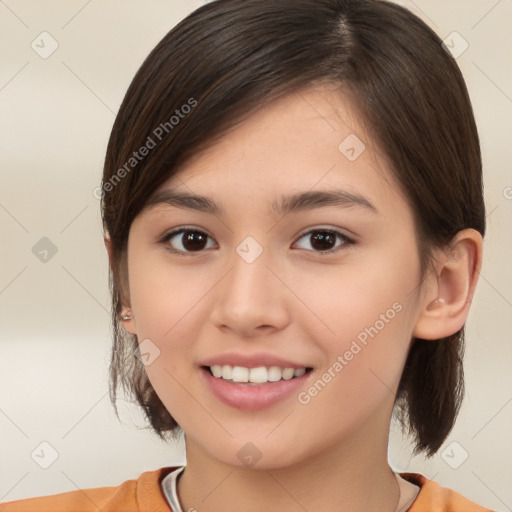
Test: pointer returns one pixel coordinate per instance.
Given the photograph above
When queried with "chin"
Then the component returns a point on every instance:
(258, 455)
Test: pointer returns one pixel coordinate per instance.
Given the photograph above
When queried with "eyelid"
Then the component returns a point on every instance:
(346, 233)
(342, 231)
(179, 229)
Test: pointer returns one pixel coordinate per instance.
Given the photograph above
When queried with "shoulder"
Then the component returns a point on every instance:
(435, 498)
(138, 495)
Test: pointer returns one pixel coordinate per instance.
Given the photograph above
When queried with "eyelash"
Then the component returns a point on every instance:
(168, 236)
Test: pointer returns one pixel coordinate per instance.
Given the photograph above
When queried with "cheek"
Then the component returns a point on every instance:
(363, 324)
(166, 304)
(357, 385)
(161, 295)
(366, 293)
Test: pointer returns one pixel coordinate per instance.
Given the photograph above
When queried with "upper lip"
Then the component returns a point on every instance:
(251, 361)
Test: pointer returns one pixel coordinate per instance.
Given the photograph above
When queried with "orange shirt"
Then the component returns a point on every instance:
(145, 495)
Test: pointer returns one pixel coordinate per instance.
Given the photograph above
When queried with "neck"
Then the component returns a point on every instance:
(353, 475)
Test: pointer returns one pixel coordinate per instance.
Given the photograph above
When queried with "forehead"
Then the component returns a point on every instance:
(310, 139)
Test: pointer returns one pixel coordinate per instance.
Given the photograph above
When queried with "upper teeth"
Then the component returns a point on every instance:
(259, 374)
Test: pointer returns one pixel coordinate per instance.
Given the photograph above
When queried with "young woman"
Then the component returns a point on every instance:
(293, 212)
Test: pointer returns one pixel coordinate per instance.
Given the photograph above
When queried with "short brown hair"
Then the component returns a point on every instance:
(231, 57)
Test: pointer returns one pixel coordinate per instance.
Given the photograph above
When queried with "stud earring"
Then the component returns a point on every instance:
(127, 315)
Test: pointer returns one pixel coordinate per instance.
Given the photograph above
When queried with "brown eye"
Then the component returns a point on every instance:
(187, 240)
(321, 240)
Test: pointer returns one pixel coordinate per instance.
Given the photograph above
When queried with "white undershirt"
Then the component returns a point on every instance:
(408, 491)
(169, 489)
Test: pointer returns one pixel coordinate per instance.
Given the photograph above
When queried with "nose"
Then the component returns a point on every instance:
(252, 298)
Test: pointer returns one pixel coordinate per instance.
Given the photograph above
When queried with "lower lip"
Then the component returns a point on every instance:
(250, 397)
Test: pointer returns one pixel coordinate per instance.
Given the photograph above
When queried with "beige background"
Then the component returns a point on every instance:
(55, 119)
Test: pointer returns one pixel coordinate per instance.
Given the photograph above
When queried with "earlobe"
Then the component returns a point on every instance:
(127, 321)
(450, 291)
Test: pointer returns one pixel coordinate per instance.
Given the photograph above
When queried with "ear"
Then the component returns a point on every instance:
(450, 289)
(126, 316)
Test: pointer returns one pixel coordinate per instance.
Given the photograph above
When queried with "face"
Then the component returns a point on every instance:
(298, 259)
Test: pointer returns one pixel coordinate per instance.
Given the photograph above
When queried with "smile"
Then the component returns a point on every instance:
(253, 389)
(258, 375)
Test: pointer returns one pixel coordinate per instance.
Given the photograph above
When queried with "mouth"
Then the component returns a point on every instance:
(255, 376)
(255, 388)
(256, 380)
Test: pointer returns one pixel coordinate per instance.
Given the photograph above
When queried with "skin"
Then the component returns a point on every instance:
(331, 453)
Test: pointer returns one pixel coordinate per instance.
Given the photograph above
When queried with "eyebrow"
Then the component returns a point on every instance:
(300, 201)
